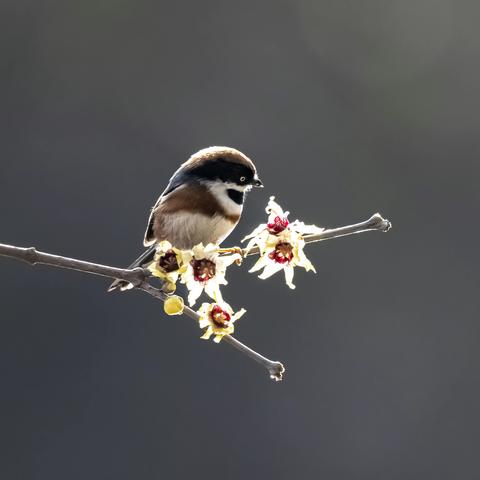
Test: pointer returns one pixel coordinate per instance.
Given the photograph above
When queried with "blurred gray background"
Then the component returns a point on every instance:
(347, 108)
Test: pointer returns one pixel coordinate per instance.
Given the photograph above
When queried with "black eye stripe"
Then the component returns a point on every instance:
(224, 170)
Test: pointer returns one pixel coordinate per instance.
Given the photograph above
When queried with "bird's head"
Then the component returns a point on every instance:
(217, 165)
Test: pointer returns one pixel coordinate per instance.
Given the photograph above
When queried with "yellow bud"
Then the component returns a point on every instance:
(173, 305)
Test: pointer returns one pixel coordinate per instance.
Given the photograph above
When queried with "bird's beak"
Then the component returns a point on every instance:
(257, 182)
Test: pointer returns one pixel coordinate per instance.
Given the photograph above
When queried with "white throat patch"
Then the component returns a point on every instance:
(219, 191)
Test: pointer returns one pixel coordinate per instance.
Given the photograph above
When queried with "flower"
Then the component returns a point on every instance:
(280, 243)
(168, 264)
(278, 225)
(206, 271)
(219, 319)
(173, 305)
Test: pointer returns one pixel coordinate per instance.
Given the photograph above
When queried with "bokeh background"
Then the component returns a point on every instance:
(347, 108)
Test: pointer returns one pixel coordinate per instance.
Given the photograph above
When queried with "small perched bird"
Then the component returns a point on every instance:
(202, 203)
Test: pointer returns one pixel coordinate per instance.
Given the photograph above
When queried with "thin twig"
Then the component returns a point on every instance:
(275, 369)
(32, 256)
(138, 278)
(376, 223)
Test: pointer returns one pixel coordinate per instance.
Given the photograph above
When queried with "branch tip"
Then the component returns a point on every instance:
(276, 371)
(377, 222)
(138, 276)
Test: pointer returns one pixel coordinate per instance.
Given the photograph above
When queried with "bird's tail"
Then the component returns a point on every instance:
(144, 258)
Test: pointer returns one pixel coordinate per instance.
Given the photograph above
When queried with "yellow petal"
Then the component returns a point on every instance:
(203, 322)
(195, 292)
(239, 314)
(274, 208)
(227, 261)
(164, 246)
(256, 232)
(183, 269)
(289, 276)
(270, 269)
(212, 289)
(155, 271)
(173, 305)
(300, 227)
(207, 334)
(199, 251)
(303, 261)
(259, 264)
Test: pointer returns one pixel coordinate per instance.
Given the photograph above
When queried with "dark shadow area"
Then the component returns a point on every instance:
(347, 108)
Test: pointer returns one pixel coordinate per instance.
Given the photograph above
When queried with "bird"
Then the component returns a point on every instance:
(203, 203)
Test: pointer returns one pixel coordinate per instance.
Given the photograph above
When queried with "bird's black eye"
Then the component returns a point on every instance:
(242, 179)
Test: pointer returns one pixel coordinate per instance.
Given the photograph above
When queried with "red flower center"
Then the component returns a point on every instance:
(203, 270)
(220, 317)
(168, 262)
(278, 225)
(283, 253)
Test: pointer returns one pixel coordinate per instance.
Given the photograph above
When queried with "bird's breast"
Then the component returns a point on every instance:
(186, 229)
(193, 214)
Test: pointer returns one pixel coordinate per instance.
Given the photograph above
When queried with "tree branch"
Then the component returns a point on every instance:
(32, 256)
(138, 278)
(375, 223)
(275, 369)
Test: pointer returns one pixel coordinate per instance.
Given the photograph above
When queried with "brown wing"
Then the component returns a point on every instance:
(187, 197)
(149, 238)
(192, 197)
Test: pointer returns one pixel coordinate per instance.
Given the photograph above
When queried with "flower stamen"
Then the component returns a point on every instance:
(203, 270)
(282, 254)
(220, 317)
(168, 262)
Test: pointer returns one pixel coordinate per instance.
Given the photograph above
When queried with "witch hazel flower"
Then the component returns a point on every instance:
(218, 319)
(205, 271)
(280, 243)
(285, 254)
(168, 264)
(276, 224)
